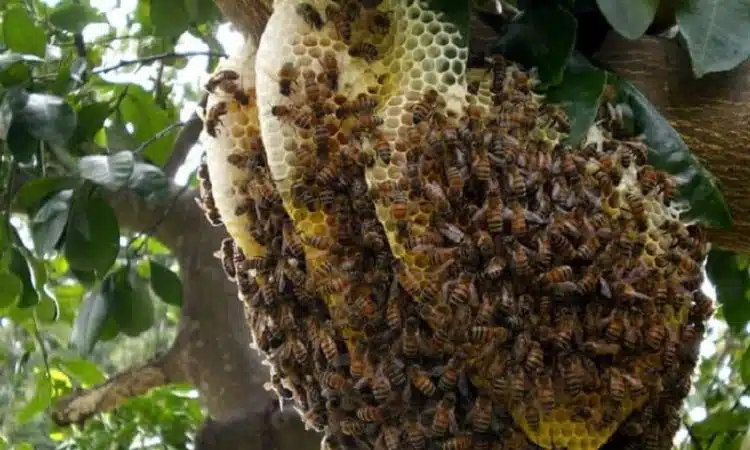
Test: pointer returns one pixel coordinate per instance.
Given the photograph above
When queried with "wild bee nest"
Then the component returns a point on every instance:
(424, 262)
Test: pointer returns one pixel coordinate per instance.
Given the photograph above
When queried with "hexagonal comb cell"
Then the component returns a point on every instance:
(424, 262)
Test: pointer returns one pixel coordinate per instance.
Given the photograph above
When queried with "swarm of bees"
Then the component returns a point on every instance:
(495, 289)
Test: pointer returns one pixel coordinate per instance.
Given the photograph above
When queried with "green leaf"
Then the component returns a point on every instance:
(91, 317)
(112, 172)
(90, 120)
(149, 182)
(46, 117)
(732, 286)
(717, 33)
(21, 143)
(92, 238)
(48, 310)
(73, 17)
(668, 152)
(20, 266)
(630, 18)
(723, 422)
(457, 12)
(139, 109)
(82, 370)
(544, 38)
(170, 19)
(166, 284)
(131, 304)
(49, 222)
(745, 367)
(12, 289)
(34, 192)
(8, 59)
(580, 93)
(21, 34)
(38, 402)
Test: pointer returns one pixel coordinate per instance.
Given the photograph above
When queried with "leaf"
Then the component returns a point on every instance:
(723, 422)
(8, 59)
(170, 19)
(111, 171)
(166, 284)
(732, 286)
(21, 34)
(20, 266)
(92, 238)
(457, 12)
(745, 367)
(717, 33)
(149, 182)
(73, 17)
(34, 192)
(39, 401)
(630, 18)
(12, 289)
(48, 310)
(21, 143)
(90, 120)
(82, 370)
(49, 222)
(46, 117)
(131, 305)
(580, 92)
(544, 37)
(668, 152)
(91, 318)
(139, 109)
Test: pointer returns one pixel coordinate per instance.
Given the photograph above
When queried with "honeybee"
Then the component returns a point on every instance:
(214, 117)
(364, 50)
(461, 442)
(473, 87)
(573, 376)
(301, 118)
(703, 308)
(616, 385)
(534, 359)
(410, 338)
(444, 417)
(594, 348)
(414, 433)
(310, 15)
(328, 345)
(521, 260)
(330, 71)
(367, 123)
(343, 25)
(378, 22)
(498, 73)
(333, 380)
(450, 373)
(352, 427)
(287, 75)
(655, 335)
(391, 437)
(546, 393)
(517, 386)
(532, 416)
(462, 290)
(226, 255)
(383, 150)
(421, 380)
(209, 209)
(227, 81)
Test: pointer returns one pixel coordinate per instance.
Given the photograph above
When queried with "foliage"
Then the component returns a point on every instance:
(77, 288)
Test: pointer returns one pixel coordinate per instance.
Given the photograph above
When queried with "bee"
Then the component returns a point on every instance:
(455, 181)
(414, 433)
(367, 123)
(301, 118)
(436, 195)
(462, 290)
(330, 71)
(352, 427)
(399, 208)
(573, 376)
(616, 385)
(594, 348)
(378, 22)
(312, 87)
(494, 214)
(371, 414)
(421, 380)
(498, 73)
(532, 416)
(703, 307)
(670, 351)
(546, 393)
(333, 380)
(473, 87)
(227, 81)
(391, 437)
(226, 255)
(328, 346)
(517, 386)
(214, 117)
(444, 417)
(481, 414)
(383, 150)
(343, 25)
(421, 111)
(482, 166)
(521, 260)
(485, 243)
(364, 50)
(462, 442)
(518, 223)
(516, 183)
(310, 15)
(534, 359)
(363, 104)
(287, 75)
(655, 335)
(410, 338)
(450, 372)
(322, 140)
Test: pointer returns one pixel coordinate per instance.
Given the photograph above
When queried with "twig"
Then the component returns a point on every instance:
(40, 341)
(185, 140)
(157, 136)
(154, 58)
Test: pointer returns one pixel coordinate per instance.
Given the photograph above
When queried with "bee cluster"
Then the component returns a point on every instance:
(458, 278)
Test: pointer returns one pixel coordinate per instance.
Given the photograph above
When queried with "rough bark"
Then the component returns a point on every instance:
(710, 113)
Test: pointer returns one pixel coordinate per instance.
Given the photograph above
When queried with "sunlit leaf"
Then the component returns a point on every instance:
(148, 119)
(745, 367)
(46, 117)
(38, 402)
(170, 19)
(21, 34)
(47, 310)
(131, 303)
(35, 191)
(110, 171)
(12, 288)
(717, 33)
(91, 318)
(90, 120)
(166, 284)
(73, 17)
(723, 422)
(83, 370)
(92, 238)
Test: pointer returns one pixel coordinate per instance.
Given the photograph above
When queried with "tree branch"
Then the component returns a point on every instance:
(185, 140)
(154, 58)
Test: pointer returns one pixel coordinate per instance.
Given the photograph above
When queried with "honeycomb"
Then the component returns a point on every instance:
(425, 262)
